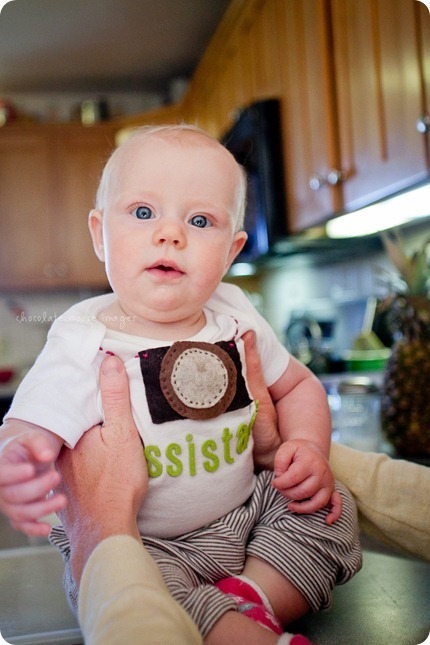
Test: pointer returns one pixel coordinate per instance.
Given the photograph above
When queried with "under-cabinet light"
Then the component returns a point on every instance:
(242, 269)
(395, 211)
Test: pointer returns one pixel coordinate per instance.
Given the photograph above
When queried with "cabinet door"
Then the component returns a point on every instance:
(80, 154)
(309, 125)
(379, 94)
(48, 180)
(25, 233)
(423, 28)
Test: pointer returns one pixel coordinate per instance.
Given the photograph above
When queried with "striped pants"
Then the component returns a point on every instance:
(312, 555)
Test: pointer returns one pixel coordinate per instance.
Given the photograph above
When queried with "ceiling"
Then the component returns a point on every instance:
(102, 45)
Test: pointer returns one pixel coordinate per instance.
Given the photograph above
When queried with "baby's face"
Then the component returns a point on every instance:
(167, 231)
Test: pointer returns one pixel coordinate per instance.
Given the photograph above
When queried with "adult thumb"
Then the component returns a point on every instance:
(114, 390)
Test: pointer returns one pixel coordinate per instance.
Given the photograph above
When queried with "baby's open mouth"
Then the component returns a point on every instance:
(165, 268)
(162, 267)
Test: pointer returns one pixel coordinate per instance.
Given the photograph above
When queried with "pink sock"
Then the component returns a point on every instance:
(252, 602)
(293, 639)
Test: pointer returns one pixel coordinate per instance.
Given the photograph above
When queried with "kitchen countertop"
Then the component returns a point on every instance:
(386, 603)
(33, 605)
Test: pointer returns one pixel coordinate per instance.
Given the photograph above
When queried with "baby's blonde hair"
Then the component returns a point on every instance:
(169, 131)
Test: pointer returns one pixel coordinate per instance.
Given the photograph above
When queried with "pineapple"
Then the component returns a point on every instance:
(405, 404)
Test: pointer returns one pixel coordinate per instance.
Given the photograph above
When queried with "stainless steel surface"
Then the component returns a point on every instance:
(303, 338)
(12, 539)
(386, 603)
(33, 606)
(357, 385)
(358, 414)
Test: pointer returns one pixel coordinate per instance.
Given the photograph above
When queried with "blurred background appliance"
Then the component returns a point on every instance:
(255, 141)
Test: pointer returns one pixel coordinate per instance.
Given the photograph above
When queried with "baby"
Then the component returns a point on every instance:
(168, 225)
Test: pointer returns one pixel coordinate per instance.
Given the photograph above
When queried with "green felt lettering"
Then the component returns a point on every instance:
(155, 468)
(208, 449)
(243, 433)
(172, 450)
(226, 438)
(191, 454)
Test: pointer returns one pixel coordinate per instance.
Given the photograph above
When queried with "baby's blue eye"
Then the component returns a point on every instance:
(143, 212)
(200, 221)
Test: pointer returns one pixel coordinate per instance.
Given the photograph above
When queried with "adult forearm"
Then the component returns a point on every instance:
(391, 496)
(85, 535)
(127, 601)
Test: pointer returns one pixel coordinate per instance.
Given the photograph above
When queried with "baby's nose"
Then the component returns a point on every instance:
(170, 232)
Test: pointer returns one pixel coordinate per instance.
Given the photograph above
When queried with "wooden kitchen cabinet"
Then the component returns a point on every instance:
(353, 77)
(48, 179)
(353, 90)
(310, 137)
(423, 29)
(379, 86)
(24, 222)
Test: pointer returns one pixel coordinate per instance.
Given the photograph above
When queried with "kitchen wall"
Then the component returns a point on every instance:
(25, 319)
(297, 285)
(300, 286)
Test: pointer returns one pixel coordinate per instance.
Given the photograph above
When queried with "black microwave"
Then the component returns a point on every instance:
(255, 141)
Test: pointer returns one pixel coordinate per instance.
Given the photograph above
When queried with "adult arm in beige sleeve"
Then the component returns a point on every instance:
(123, 599)
(122, 596)
(392, 497)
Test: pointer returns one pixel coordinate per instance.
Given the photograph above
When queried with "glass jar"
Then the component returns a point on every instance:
(358, 414)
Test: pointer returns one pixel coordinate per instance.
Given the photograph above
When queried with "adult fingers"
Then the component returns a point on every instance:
(115, 394)
(254, 371)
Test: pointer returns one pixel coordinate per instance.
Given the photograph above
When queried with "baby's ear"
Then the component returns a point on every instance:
(237, 245)
(95, 224)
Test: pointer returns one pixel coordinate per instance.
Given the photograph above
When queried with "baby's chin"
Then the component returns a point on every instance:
(165, 324)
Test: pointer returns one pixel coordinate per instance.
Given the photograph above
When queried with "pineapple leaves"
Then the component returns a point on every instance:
(414, 269)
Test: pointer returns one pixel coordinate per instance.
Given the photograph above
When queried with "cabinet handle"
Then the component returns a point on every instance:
(334, 177)
(52, 271)
(49, 271)
(61, 270)
(316, 182)
(423, 124)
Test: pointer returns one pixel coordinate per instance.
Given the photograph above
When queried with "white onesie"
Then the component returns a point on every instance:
(189, 400)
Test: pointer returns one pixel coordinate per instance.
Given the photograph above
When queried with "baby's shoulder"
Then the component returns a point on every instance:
(78, 327)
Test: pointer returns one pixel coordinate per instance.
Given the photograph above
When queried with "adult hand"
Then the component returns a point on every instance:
(105, 476)
(265, 430)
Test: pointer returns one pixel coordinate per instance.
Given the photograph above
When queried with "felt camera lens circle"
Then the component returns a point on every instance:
(198, 379)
